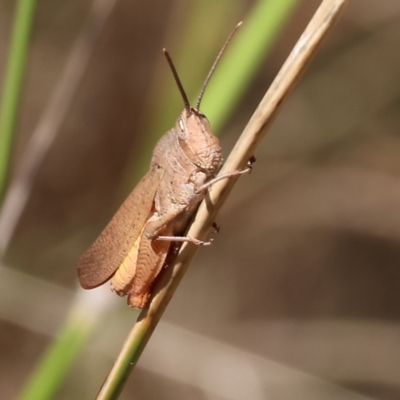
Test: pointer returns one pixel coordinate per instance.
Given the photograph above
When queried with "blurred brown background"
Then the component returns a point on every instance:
(299, 296)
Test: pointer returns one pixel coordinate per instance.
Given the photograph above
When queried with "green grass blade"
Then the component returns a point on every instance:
(55, 363)
(13, 82)
(244, 56)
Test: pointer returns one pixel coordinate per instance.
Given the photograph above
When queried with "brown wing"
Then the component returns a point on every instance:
(105, 255)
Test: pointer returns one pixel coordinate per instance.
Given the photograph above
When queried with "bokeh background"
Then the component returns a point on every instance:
(299, 296)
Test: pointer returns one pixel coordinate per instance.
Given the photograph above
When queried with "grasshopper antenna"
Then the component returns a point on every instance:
(197, 108)
(178, 81)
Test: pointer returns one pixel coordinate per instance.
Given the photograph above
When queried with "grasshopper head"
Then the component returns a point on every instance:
(198, 142)
(196, 139)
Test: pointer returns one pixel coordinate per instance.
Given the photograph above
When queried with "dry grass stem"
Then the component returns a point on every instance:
(324, 18)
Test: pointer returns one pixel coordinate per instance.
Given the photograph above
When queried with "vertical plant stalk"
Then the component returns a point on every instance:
(324, 18)
(12, 84)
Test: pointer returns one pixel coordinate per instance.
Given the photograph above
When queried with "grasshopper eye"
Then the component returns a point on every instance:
(181, 125)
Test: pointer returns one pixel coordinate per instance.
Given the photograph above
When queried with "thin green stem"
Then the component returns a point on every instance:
(244, 57)
(55, 363)
(25, 12)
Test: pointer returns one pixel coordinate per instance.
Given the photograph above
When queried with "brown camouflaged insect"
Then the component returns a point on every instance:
(133, 247)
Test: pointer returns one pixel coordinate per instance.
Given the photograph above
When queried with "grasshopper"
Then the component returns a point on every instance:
(133, 247)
